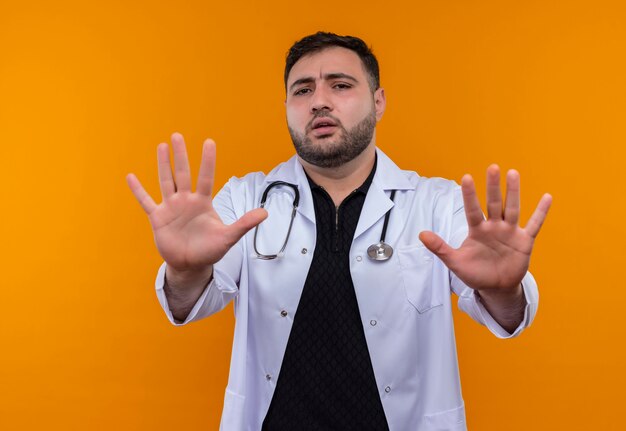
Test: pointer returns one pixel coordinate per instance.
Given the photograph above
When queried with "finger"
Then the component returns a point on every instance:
(511, 208)
(140, 193)
(438, 246)
(494, 195)
(181, 163)
(166, 180)
(207, 168)
(248, 221)
(473, 213)
(536, 220)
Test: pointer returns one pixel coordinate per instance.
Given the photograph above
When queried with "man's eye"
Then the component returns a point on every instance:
(342, 86)
(301, 91)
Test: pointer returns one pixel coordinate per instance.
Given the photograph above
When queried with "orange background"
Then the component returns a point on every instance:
(87, 91)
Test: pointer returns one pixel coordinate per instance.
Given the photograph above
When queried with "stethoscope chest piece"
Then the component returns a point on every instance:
(380, 251)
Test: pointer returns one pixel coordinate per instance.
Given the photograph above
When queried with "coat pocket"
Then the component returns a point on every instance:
(449, 420)
(417, 266)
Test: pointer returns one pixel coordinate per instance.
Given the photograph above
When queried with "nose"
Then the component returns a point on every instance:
(321, 100)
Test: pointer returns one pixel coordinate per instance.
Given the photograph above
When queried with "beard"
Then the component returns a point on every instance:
(331, 154)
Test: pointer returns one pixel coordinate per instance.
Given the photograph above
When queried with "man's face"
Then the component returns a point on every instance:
(331, 111)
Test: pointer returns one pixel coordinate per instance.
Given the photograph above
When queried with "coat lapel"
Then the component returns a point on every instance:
(292, 172)
(388, 177)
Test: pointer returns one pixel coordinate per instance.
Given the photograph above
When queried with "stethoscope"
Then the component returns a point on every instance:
(380, 251)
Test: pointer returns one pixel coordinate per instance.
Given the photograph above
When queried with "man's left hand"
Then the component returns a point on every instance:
(495, 256)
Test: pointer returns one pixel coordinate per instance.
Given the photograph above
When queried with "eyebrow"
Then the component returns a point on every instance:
(327, 77)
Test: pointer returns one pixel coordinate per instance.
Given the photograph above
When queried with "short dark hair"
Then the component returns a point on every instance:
(322, 40)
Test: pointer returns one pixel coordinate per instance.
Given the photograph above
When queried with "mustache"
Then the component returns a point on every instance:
(322, 114)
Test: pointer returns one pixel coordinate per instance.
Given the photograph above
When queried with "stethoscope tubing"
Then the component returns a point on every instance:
(296, 202)
(377, 252)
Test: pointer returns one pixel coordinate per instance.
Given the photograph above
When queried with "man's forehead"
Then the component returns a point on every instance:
(332, 60)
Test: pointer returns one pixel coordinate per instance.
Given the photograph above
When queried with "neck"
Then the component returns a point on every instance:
(339, 182)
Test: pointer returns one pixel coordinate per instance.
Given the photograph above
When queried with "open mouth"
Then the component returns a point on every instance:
(323, 126)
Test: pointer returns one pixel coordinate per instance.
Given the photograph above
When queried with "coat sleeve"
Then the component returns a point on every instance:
(226, 273)
(469, 302)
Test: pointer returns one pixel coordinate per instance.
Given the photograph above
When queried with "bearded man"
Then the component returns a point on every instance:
(342, 296)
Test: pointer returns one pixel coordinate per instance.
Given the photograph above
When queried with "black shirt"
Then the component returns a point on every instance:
(326, 380)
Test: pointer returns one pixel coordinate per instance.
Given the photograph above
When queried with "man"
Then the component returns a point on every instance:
(338, 331)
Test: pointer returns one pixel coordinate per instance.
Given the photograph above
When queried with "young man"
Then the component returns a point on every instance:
(339, 331)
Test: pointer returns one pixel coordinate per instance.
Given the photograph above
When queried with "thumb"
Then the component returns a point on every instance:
(438, 246)
(248, 221)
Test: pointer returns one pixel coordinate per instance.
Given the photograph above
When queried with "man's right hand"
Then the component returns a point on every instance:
(188, 232)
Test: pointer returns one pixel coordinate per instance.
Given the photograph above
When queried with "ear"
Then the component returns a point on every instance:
(380, 103)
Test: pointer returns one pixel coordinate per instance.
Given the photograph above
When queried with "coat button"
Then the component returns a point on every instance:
(373, 322)
(283, 313)
(303, 251)
(268, 377)
(388, 389)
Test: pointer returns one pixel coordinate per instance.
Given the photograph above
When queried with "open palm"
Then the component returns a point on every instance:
(188, 232)
(496, 252)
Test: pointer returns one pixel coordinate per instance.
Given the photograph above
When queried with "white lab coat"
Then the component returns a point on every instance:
(405, 302)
